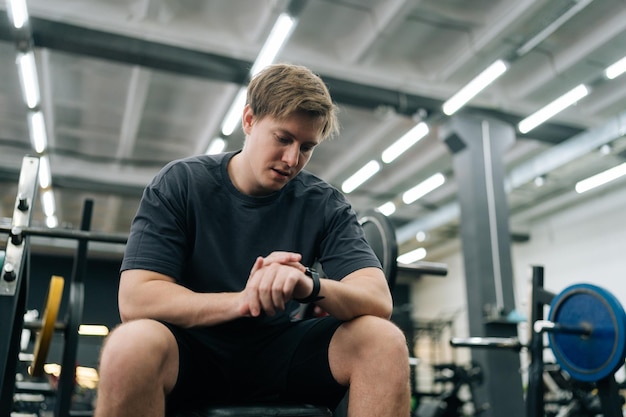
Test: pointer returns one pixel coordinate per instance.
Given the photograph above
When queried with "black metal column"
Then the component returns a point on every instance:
(478, 146)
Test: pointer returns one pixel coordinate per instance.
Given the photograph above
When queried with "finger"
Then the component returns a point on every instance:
(282, 257)
(251, 292)
(281, 292)
(258, 264)
(264, 292)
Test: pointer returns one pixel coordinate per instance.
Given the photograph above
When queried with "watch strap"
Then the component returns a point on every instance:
(314, 296)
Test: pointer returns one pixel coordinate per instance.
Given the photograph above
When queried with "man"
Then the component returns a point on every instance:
(217, 256)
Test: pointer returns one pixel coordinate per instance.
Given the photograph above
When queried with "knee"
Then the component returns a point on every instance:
(136, 344)
(378, 339)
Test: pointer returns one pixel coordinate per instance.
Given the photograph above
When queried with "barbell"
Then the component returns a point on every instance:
(586, 329)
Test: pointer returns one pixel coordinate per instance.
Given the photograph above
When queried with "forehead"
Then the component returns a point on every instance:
(301, 126)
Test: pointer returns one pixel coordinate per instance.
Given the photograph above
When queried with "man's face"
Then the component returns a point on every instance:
(276, 150)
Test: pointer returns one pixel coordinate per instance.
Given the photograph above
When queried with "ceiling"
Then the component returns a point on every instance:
(129, 85)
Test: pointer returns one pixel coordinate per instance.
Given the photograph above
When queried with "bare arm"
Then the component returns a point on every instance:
(363, 292)
(147, 294)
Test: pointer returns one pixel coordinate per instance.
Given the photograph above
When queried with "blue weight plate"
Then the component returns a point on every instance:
(592, 357)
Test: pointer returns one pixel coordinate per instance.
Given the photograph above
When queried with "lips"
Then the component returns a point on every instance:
(282, 173)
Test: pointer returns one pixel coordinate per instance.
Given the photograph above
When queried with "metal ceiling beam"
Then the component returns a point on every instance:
(553, 158)
(79, 40)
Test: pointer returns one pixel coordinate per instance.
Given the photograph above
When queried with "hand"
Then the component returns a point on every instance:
(280, 257)
(272, 283)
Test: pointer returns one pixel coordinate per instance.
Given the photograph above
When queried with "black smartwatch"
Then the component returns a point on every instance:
(314, 296)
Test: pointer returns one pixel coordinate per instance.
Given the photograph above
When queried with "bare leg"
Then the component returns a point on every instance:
(370, 355)
(138, 366)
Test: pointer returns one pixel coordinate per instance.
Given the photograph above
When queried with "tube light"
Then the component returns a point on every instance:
(423, 188)
(601, 178)
(475, 86)
(47, 200)
(234, 114)
(407, 140)
(412, 256)
(93, 330)
(52, 222)
(553, 108)
(18, 13)
(216, 146)
(45, 177)
(359, 177)
(274, 43)
(616, 69)
(38, 136)
(27, 70)
(387, 209)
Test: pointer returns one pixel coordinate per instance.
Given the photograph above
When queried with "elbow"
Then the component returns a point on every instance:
(128, 311)
(386, 310)
(125, 313)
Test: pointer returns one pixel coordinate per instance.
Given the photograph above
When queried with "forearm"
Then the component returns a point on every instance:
(361, 293)
(163, 299)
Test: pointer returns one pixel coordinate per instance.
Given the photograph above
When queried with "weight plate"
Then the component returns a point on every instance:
(44, 337)
(380, 235)
(595, 356)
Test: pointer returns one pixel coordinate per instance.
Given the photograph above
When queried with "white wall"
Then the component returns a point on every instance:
(582, 243)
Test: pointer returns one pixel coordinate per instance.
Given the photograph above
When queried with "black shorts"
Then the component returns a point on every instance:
(237, 364)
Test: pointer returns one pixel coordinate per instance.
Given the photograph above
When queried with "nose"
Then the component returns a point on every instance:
(291, 155)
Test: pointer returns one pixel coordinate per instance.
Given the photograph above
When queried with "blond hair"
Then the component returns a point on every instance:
(281, 90)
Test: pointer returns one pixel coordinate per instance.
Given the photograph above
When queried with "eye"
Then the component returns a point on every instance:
(307, 148)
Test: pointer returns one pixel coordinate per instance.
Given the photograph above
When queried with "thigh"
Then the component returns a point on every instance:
(309, 378)
(202, 378)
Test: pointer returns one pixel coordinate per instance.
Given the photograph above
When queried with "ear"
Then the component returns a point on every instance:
(247, 119)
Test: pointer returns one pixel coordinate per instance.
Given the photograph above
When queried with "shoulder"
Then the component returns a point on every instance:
(191, 168)
(308, 184)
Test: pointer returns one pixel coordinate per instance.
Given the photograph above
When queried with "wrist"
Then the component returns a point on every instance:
(314, 296)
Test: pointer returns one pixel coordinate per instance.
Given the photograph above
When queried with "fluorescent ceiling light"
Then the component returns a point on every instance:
(52, 222)
(553, 108)
(47, 200)
(275, 41)
(38, 136)
(387, 209)
(235, 113)
(18, 13)
(601, 178)
(359, 177)
(423, 188)
(412, 256)
(474, 87)
(45, 177)
(407, 140)
(28, 78)
(216, 146)
(93, 330)
(616, 69)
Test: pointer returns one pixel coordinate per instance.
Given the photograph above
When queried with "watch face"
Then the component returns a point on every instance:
(310, 272)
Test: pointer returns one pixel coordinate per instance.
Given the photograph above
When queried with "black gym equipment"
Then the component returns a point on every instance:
(448, 403)
(13, 291)
(586, 332)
